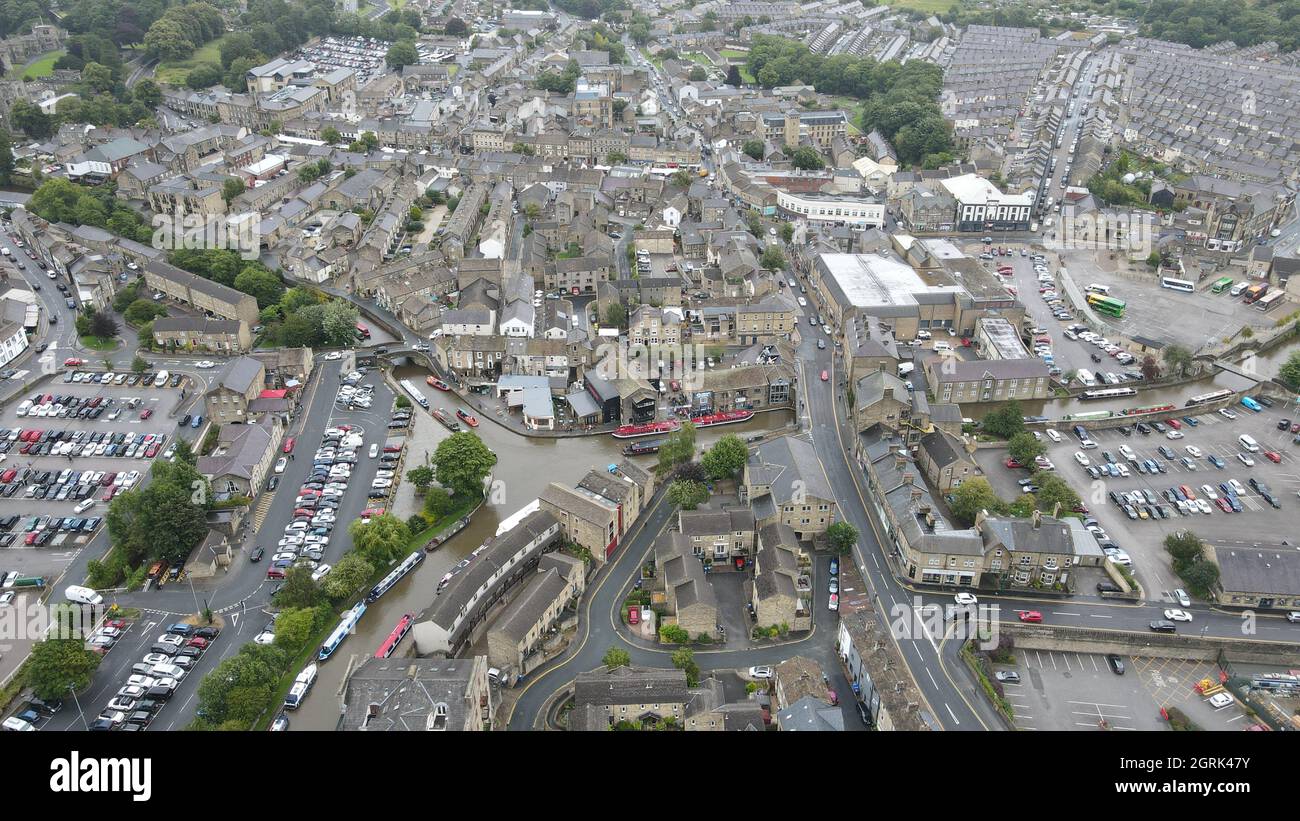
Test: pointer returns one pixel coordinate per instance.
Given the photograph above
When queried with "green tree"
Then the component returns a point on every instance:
(1201, 578)
(147, 93)
(204, 75)
(972, 496)
(59, 666)
(401, 54)
(259, 283)
(139, 365)
(142, 311)
(754, 148)
(331, 135)
(772, 258)
(1290, 371)
(339, 322)
(455, 27)
(1006, 421)
(294, 627)
(463, 462)
(1178, 359)
(349, 575)
(437, 503)
(421, 477)
(842, 537)
(616, 657)
(232, 187)
(726, 458)
(381, 540)
(684, 660)
(806, 158)
(787, 232)
(687, 494)
(299, 590)
(674, 634)
(240, 688)
(616, 315)
(1053, 490)
(697, 74)
(1185, 548)
(31, 120)
(1023, 447)
(678, 448)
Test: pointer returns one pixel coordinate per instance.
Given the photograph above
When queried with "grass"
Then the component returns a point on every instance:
(418, 540)
(733, 54)
(696, 57)
(43, 66)
(98, 343)
(928, 6)
(176, 71)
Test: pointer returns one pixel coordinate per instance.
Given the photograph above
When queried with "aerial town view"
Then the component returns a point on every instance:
(655, 365)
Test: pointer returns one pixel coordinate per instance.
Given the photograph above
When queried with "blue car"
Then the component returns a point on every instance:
(196, 421)
(1191, 420)
(1235, 502)
(835, 567)
(1252, 404)
(1214, 460)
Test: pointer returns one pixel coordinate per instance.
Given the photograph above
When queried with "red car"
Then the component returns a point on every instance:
(151, 451)
(146, 413)
(108, 494)
(1031, 616)
(1012, 463)
(108, 478)
(198, 642)
(73, 362)
(1273, 456)
(825, 376)
(373, 511)
(1174, 423)
(31, 537)
(1223, 504)
(1295, 428)
(288, 444)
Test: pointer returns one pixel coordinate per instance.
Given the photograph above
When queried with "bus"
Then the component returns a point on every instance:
(1254, 292)
(362, 331)
(1207, 398)
(1095, 288)
(1107, 393)
(1108, 305)
(1177, 284)
(1269, 300)
(1220, 285)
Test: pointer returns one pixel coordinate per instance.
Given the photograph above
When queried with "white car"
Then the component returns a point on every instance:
(1127, 452)
(1209, 494)
(264, 638)
(333, 356)
(965, 598)
(1237, 487)
(320, 572)
(762, 672)
(378, 484)
(1174, 434)
(374, 451)
(1245, 460)
(205, 364)
(1193, 450)
(1204, 506)
(1220, 700)
(1053, 435)
(1178, 615)
(281, 464)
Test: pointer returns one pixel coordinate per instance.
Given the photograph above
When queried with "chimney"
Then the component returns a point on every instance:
(882, 367)
(1056, 510)
(1038, 519)
(916, 493)
(979, 519)
(908, 477)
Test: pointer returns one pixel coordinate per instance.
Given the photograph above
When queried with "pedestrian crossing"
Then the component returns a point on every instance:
(262, 509)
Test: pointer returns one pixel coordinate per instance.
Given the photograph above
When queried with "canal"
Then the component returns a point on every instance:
(525, 466)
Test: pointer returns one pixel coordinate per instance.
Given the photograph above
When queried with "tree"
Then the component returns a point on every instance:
(726, 458)
(772, 258)
(421, 477)
(1290, 371)
(349, 575)
(57, 666)
(139, 365)
(400, 54)
(204, 75)
(684, 660)
(733, 78)
(1185, 548)
(674, 634)
(256, 281)
(103, 325)
(147, 93)
(679, 447)
(787, 232)
(339, 322)
(142, 311)
(381, 540)
(1006, 421)
(31, 120)
(239, 689)
(697, 74)
(616, 657)
(232, 187)
(1150, 369)
(616, 315)
(295, 626)
(688, 495)
(1024, 448)
(806, 158)
(298, 589)
(842, 537)
(1201, 578)
(437, 503)
(331, 135)
(970, 497)
(1053, 490)
(463, 462)
(753, 148)
(1177, 358)
(455, 27)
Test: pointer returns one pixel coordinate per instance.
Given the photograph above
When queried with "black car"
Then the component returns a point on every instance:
(1125, 431)
(158, 693)
(1107, 587)
(47, 708)
(257, 554)
(208, 633)
(1143, 428)
(165, 649)
(273, 483)
(185, 420)
(1162, 626)
(1116, 663)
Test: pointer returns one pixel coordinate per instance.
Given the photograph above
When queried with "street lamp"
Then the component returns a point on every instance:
(80, 712)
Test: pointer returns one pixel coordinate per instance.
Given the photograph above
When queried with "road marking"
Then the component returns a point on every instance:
(951, 713)
(931, 675)
(1063, 613)
(1098, 616)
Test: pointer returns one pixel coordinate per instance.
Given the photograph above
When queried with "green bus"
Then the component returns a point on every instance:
(1221, 284)
(1108, 305)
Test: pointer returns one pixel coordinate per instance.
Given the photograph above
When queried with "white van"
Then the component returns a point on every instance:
(1239, 289)
(1248, 443)
(82, 595)
(942, 347)
(24, 407)
(803, 303)
(1095, 288)
(161, 379)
